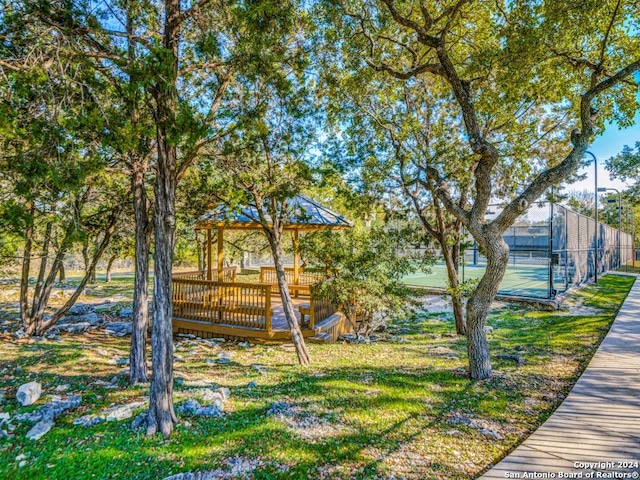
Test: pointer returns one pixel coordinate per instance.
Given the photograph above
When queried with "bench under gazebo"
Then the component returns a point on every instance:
(211, 303)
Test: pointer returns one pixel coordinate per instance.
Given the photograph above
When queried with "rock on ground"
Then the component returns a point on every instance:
(118, 329)
(121, 412)
(91, 318)
(111, 414)
(140, 421)
(79, 327)
(51, 410)
(192, 407)
(80, 309)
(88, 420)
(39, 429)
(237, 467)
(29, 393)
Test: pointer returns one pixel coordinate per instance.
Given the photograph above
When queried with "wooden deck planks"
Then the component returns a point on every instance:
(599, 421)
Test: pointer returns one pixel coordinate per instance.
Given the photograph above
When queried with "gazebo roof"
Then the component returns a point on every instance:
(306, 214)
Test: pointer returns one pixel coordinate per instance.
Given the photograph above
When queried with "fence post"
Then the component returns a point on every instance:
(550, 256)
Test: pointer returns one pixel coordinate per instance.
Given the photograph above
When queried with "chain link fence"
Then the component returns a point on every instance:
(552, 249)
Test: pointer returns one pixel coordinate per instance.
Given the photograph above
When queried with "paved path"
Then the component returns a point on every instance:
(599, 421)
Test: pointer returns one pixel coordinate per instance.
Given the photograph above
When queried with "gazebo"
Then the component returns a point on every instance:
(213, 304)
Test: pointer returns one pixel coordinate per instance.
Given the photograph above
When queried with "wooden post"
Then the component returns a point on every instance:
(312, 307)
(209, 256)
(220, 254)
(267, 306)
(296, 262)
(296, 258)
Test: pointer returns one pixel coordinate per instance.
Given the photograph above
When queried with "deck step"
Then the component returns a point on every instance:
(322, 337)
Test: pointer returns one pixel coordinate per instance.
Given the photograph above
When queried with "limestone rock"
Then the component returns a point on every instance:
(39, 429)
(225, 392)
(29, 393)
(118, 329)
(121, 412)
(514, 357)
(79, 327)
(80, 309)
(88, 420)
(91, 318)
(51, 410)
(140, 421)
(192, 407)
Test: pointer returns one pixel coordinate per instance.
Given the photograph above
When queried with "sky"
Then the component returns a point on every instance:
(607, 145)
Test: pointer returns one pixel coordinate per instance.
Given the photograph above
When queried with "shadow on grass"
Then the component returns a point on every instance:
(376, 413)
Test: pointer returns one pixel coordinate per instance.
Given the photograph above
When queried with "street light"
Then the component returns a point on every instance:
(619, 220)
(595, 256)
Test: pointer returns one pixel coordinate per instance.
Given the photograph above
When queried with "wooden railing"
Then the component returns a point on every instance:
(197, 275)
(228, 274)
(322, 310)
(238, 304)
(317, 311)
(268, 275)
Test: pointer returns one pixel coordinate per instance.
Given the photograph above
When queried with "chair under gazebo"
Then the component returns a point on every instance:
(211, 303)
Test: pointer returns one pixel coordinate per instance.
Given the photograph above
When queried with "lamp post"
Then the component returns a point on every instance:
(626, 230)
(595, 235)
(619, 220)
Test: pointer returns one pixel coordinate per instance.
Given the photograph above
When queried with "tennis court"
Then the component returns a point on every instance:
(520, 280)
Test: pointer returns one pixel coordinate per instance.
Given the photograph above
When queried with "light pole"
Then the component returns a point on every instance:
(619, 220)
(595, 235)
(626, 230)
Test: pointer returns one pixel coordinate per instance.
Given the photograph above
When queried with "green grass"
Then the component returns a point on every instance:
(370, 411)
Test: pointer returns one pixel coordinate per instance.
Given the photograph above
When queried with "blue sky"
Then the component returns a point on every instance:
(607, 145)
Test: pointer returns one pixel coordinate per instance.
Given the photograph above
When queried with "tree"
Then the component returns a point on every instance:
(146, 50)
(262, 165)
(406, 130)
(364, 267)
(582, 202)
(51, 162)
(626, 167)
(508, 68)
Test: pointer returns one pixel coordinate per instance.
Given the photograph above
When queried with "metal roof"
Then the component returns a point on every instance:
(305, 214)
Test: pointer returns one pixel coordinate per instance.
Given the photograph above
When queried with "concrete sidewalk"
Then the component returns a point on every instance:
(598, 422)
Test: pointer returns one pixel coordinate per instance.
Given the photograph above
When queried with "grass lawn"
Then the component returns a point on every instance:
(401, 407)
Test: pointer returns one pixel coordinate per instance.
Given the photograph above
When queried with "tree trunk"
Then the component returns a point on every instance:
(161, 414)
(104, 243)
(479, 304)
(87, 261)
(137, 353)
(456, 293)
(43, 260)
(62, 274)
(107, 277)
(27, 320)
(287, 304)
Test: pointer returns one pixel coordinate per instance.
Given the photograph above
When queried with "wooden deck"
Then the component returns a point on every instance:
(247, 310)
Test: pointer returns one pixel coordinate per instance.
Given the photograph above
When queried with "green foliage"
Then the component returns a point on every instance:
(626, 167)
(365, 268)
(464, 289)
